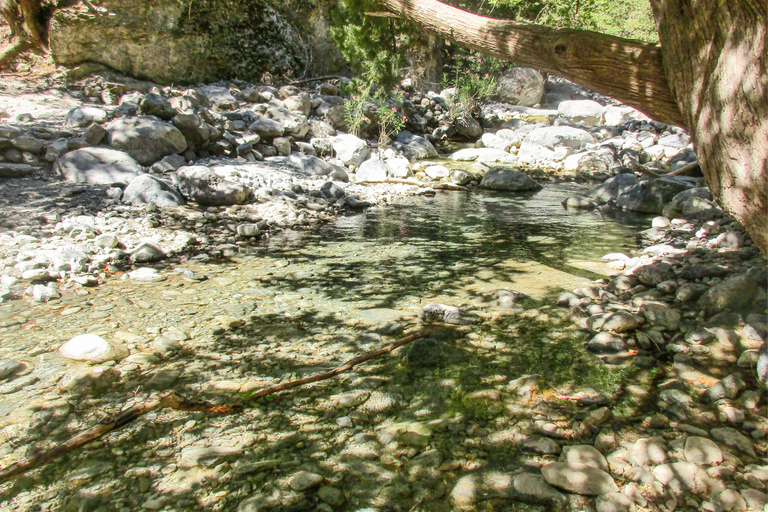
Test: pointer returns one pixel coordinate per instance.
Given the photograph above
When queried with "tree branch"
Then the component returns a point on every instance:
(628, 70)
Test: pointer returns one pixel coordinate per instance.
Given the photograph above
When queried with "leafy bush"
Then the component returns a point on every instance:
(473, 79)
(371, 106)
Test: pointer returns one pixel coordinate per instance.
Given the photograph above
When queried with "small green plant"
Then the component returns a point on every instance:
(371, 106)
(473, 79)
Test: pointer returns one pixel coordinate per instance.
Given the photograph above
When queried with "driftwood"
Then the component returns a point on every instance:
(417, 183)
(173, 400)
(691, 169)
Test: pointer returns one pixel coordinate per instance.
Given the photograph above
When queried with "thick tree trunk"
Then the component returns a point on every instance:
(22, 18)
(630, 71)
(715, 54)
(709, 76)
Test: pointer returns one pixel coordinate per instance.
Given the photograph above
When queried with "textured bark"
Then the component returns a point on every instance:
(22, 18)
(716, 60)
(710, 76)
(630, 71)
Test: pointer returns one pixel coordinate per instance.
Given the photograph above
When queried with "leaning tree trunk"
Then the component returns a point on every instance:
(709, 76)
(715, 54)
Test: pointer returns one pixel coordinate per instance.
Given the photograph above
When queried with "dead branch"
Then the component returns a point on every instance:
(173, 400)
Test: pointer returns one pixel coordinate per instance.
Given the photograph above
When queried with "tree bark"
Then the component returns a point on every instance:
(715, 54)
(630, 71)
(709, 76)
(22, 18)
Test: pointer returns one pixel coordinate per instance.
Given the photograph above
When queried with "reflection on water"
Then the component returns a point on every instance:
(526, 241)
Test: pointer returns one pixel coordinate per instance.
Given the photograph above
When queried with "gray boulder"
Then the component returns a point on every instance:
(267, 128)
(97, 165)
(84, 116)
(468, 126)
(311, 164)
(553, 136)
(145, 189)
(197, 132)
(218, 97)
(582, 111)
(201, 185)
(501, 178)
(579, 478)
(350, 150)
(373, 170)
(11, 170)
(650, 196)
(145, 138)
(614, 186)
(520, 86)
(414, 147)
(155, 105)
(733, 294)
(293, 123)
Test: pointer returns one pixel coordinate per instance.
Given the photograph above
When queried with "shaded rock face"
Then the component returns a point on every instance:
(97, 165)
(146, 138)
(203, 186)
(509, 179)
(168, 40)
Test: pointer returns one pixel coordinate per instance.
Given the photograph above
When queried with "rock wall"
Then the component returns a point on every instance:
(196, 40)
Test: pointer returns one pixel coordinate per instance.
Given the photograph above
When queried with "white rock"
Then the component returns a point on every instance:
(93, 349)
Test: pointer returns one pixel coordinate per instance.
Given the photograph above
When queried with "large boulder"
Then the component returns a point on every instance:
(145, 189)
(582, 111)
(311, 164)
(614, 186)
(414, 147)
(650, 196)
(203, 186)
(520, 86)
(552, 136)
(350, 150)
(146, 138)
(294, 124)
(97, 165)
(501, 178)
(373, 170)
(170, 41)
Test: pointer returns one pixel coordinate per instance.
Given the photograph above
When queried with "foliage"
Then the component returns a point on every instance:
(373, 45)
(473, 79)
(371, 106)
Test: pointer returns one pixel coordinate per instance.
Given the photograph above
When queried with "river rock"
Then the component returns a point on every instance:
(372, 170)
(267, 128)
(660, 315)
(607, 343)
(304, 480)
(579, 203)
(12, 170)
(551, 137)
(83, 116)
(92, 349)
(146, 138)
(579, 478)
(155, 105)
(461, 177)
(468, 126)
(145, 189)
(520, 86)
(350, 150)
(500, 178)
(678, 476)
(733, 294)
(726, 388)
(147, 252)
(414, 147)
(584, 454)
(196, 131)
(206, 456)
(311, 164)
(146, 275)
(654, 273)
(447, 314)
(97, 166)
(476, 488)
(582, 111)
(615, 502)
(701, 450)
(615, 186)
(203, 186)
(650, 196)
(733, 438)
(484, 155)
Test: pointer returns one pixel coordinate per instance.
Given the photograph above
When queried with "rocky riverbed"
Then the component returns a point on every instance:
(634, 391)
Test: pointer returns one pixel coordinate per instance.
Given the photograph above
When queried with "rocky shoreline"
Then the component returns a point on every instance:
(686, 315)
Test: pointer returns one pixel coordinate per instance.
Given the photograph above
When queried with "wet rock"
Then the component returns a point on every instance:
(728, 388)
(206, 456)
(615, 186)
(145, 138)
(584, 454)
(203, 186)
(427, 353)
(579, 203)
(650, 196)
(701, 450)
(579, 478)
(9, 367)
(472, 490)
(461, 177)
(500, 178)
(145, 189)
(97, 165)
(92, 349)
(678, 476)
(447, 314)
(733, 438)
(733, 294)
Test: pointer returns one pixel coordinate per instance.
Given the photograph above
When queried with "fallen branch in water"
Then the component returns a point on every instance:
(173, 400)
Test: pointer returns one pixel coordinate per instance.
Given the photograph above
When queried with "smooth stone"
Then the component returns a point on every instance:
(584, 454)
(678, 476)
(146, 275)
(701, 450)
(93, 349)
(579, 478)
(205, 456)
(147, 252)
(304, 480)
